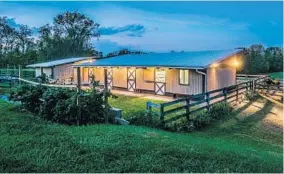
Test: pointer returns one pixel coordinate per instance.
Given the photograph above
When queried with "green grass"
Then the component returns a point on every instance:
(130, 105)
(276, 75)
(29, 144)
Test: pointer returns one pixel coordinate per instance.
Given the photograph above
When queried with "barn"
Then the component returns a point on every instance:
(60, 70)
(172, 74)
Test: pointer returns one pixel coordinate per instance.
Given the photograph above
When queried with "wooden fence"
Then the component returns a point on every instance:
(194, 103)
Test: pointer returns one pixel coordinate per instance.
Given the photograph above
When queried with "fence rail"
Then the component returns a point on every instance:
(189, 105)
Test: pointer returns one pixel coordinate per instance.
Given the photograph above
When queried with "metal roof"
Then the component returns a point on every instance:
(189, 60)
(58, 62)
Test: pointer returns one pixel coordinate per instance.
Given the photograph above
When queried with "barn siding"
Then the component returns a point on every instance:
(220, 77)
(173, 86)
(63, 72)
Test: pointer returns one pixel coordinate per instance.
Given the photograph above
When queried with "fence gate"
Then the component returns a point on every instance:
(109, 78)
(131, 79)
(160, 81)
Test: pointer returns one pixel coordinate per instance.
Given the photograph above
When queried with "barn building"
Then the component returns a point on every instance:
(172, 74)
(60, 69)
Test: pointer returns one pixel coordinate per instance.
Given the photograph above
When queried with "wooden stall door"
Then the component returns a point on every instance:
(131, 79)
(160, 82)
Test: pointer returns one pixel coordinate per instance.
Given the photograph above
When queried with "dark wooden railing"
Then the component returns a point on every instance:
(194, 103)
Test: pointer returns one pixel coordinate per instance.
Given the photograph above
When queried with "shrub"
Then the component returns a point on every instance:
(29, 96)
(201, 119)
(181, 125)
(251, 95)
(50, 99)
(145, 118)
(220, 110)
(43, 78)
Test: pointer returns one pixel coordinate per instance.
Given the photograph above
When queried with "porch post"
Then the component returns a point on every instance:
(105, 96)
(78, 79)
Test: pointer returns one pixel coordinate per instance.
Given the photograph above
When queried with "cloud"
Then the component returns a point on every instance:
(126, 27)
(165, 32)
(28, 13)
(131, 30)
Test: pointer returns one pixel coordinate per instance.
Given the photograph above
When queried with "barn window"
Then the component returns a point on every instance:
(184, 77)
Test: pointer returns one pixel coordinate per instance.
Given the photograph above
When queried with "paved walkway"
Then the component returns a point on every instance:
(143, 95)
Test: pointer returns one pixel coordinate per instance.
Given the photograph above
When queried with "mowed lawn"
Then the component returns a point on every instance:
(276, 75)
(29, 144)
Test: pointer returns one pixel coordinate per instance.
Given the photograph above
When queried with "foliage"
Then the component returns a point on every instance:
(29, 96)
(43, 78)
(123, 52)
(30, 144)
(50, 98)
(220, 110)
(69, 36)
(251, 95)
(145, 118)
(63, 105)
(259, 59)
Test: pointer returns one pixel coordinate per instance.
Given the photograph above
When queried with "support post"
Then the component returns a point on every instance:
(207, 101)
(162, 115)
(225, 91)
(78, 95)
(187, 108)
(20, 74)
(237, 95)
(78, 79)
(105, 95)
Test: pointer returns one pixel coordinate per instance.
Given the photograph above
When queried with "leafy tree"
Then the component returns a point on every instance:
(69, 36)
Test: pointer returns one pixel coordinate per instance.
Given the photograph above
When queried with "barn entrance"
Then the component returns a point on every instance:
(109, 78)
(131, 79)
(160, 82)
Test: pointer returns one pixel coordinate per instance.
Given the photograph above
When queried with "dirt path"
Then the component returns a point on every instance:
(265, 113)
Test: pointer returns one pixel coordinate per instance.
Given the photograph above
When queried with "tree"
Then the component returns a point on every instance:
(69, 36)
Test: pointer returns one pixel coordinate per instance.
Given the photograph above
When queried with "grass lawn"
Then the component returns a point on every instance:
(29, 144)
(130, 105)
(276, 75)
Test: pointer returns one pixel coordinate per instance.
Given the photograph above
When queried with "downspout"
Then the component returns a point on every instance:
(205, 75)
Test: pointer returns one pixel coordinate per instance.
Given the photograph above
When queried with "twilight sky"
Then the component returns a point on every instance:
(164, 26)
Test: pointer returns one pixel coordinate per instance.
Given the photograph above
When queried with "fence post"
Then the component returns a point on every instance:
(148, 106)
(20, 68)
(187, 108)
(162, 119)
(237, 95)
(225, 94)
(207, 101)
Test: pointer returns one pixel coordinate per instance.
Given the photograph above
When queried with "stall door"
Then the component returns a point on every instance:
(131, 79)
(160, 82)
(109, 78)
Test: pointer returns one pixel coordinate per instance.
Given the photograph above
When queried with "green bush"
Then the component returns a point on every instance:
(220, 110)
(29, 96)
(145, 118)
(60, 105)
(251, 95)
(181, 125)
(200, 119)
(50, 99)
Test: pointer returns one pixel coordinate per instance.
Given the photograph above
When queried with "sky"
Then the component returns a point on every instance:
(164, 26)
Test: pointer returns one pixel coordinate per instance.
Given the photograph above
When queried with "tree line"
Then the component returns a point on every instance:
(71, 33)
(258, 59)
